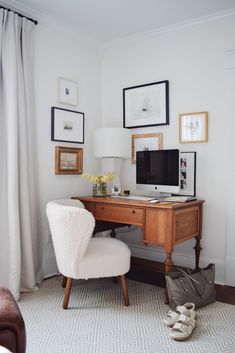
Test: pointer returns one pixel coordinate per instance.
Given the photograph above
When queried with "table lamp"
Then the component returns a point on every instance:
(112, 144)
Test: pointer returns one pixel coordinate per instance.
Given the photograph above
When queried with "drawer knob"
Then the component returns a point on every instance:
(133, 211)
(102, 208)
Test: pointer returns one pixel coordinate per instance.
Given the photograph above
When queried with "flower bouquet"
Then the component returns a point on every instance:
(99, 182)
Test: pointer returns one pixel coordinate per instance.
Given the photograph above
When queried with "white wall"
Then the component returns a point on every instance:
(61, 55)
(192, 59)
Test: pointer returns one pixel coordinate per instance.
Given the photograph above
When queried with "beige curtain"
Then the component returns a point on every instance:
(20, 248)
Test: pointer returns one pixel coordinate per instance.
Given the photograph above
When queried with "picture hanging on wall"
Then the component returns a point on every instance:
(145, 142)
(67, 125)
(193, 127)
(188, 173)
(68, 160)
(146, 105)
(67, 91)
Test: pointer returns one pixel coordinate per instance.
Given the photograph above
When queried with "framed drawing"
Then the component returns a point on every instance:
(67, 91)
(67, 125)
(188, 173)
(145, 142)
(193, 127)
(146, 105)
(68, 160)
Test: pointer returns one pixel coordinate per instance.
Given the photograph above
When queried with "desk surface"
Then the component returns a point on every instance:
(138, 203)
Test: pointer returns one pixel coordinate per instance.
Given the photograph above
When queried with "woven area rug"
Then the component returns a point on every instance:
(98, 322)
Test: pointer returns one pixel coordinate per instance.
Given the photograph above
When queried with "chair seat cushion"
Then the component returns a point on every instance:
(104, 257)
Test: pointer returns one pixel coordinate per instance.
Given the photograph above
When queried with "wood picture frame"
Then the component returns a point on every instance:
(146, 105)
(193, 127)
(144, 142)
(67, 91)
(68, 160)
(188, 173)
(67, 125)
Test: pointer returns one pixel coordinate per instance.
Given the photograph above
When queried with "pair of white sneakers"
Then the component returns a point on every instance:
(182, 321)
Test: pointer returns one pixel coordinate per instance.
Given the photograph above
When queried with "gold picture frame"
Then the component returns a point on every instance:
(68, 160)
(193, 127)
(145, 142)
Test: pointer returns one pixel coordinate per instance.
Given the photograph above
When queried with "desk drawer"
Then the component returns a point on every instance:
(119, 214)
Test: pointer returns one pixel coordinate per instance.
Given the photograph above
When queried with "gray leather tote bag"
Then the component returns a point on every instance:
(196, 286)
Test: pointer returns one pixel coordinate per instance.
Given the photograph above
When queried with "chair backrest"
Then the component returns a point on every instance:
(71, 227)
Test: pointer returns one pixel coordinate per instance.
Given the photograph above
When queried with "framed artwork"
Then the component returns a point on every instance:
(188, 173)
(193, 127)
(67, 91)
(67, 125)
(145, 142)
(68, 160)
(146, 105)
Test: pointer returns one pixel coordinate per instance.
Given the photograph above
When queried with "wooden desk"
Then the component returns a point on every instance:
(164, 224)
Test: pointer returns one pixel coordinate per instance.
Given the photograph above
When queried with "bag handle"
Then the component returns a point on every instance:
(189, 275)
(191, 282)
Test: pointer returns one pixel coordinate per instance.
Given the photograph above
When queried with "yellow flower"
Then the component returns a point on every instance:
(97, 179)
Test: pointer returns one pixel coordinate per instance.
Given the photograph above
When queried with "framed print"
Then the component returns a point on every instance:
(193, 127)
(146, 105)
(67, 91)
(67, 125)
(145, 142)
(188, 173)
(68, 160)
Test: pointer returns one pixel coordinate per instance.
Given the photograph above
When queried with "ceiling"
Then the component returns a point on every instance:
(109, 20)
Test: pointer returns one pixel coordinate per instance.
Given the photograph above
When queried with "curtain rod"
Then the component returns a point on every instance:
(19, 14)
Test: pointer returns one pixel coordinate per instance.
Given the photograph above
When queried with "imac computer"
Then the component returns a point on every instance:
(158, 171)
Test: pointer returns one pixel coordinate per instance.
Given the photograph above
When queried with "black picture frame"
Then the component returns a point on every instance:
(67, 125)
(146, 105)
(188, 173)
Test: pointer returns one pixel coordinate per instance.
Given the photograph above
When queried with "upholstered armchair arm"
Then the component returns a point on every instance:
(12, 327)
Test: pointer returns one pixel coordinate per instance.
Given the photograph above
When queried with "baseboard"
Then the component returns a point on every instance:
(229, 273)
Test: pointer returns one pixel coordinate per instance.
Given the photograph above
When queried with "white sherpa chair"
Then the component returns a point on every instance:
(78, 255)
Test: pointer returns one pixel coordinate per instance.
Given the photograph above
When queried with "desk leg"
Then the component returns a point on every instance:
(168, 263)
(113, 233)
(168, 267)
(197, 249)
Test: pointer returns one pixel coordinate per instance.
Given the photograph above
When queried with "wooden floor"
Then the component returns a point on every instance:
(152, 272)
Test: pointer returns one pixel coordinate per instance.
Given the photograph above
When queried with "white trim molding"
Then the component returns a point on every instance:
(178, 26)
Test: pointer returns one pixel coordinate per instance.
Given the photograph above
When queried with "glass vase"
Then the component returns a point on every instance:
(100, 189)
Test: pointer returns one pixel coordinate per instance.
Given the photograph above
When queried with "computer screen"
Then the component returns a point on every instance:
(158, 170)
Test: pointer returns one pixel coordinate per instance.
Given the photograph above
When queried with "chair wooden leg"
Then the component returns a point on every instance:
(64, 282)
(67, 292)
(124, 290)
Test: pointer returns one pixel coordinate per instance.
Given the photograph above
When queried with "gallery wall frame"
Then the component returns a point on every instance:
(188, 173)
(68, 160)
(67, 91)
(67, 125)
(145, 142)
(193, 127)
(146, 105)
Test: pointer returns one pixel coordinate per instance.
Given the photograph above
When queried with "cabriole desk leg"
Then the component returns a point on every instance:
(169, 263)
(197, 249)
(168, 267)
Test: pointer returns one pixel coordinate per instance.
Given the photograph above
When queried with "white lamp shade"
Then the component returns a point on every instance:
(112, 142)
